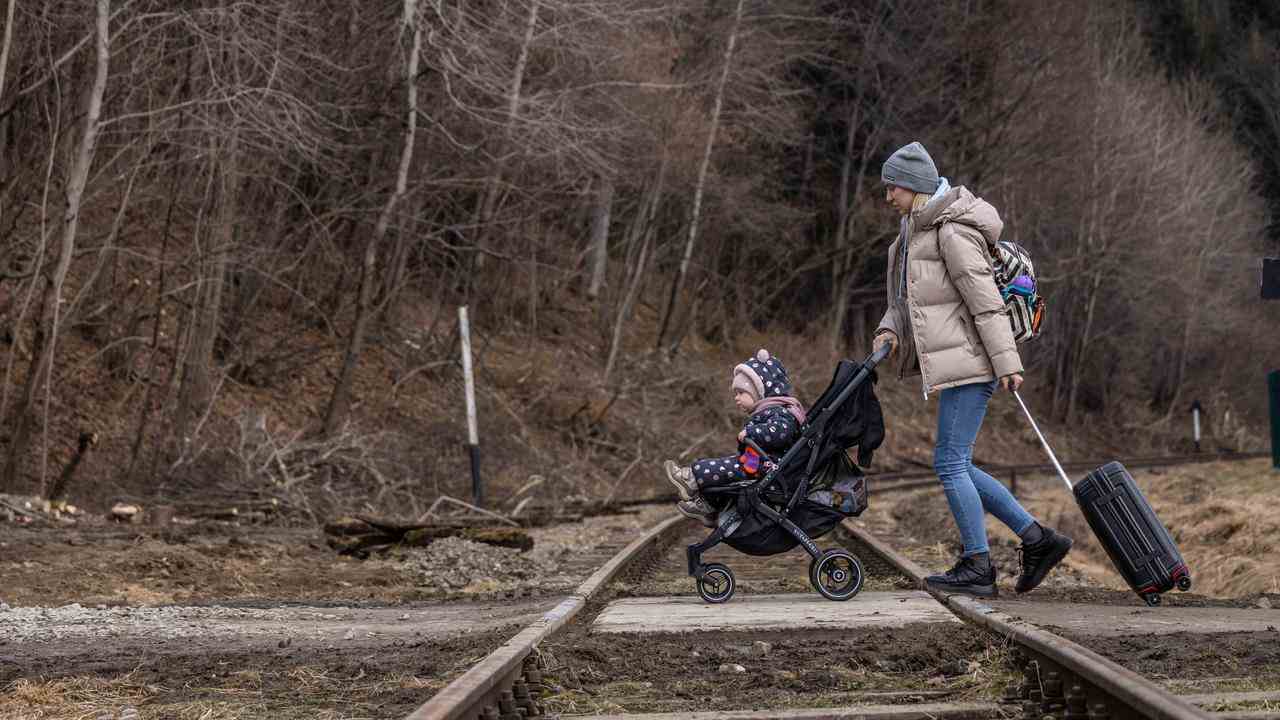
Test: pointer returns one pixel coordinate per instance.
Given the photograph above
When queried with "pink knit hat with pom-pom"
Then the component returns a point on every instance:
(762, 376)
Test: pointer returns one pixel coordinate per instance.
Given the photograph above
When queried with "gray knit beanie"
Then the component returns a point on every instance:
(911, 167)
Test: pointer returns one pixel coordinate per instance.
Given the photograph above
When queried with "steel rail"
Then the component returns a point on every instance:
(486, 683)
(1139, 695)
(917, 711)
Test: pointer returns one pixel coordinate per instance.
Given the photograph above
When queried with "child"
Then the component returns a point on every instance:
(761, 390)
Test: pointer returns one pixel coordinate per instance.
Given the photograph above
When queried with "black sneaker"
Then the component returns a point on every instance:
(966, 578)
(1038, 559)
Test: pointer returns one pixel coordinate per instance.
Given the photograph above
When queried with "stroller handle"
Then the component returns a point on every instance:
(879, 355)
(807, 439)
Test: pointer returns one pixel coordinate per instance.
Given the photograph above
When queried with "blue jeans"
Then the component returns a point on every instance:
(970, 491)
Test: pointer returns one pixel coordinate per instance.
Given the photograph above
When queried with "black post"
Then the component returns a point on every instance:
(1271, 278)
(477, 488)
(1273, 383)
(1271, 291)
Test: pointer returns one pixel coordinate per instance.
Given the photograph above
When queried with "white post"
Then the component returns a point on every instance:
(473, 434)
(1195, 423)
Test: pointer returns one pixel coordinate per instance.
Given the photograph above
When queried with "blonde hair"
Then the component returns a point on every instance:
(919, 201)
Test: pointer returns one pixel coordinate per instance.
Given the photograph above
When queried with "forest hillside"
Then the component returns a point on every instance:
(234, 237)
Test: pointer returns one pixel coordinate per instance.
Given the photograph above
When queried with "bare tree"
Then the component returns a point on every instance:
(700, 185)
(45, 346)
(341, 398)
(600, 236)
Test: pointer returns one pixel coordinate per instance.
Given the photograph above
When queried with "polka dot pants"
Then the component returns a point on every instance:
(710, 472)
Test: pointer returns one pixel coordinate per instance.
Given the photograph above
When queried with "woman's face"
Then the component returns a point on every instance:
(900, 198)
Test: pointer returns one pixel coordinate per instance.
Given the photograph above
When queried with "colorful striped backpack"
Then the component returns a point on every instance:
(1016, 279)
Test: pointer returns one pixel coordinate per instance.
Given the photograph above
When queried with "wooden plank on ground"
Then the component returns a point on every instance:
(770, 612)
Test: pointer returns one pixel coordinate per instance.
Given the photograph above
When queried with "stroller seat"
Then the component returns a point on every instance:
(805, 493)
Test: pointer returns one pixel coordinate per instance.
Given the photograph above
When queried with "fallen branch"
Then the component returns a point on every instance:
(20, 511)
(363, 534)
(501, 537)
(482, 511)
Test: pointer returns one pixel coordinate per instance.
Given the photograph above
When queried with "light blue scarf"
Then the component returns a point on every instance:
(943, 187)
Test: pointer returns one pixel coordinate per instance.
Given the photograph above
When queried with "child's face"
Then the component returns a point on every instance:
(743, 400)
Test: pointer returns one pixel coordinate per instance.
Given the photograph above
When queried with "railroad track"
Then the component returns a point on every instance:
(926, 477)
(590, 646)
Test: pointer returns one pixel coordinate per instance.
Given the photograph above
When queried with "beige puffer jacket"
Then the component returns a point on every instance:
(949, 318)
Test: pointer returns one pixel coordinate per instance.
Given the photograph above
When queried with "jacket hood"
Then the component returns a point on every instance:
(958, 205)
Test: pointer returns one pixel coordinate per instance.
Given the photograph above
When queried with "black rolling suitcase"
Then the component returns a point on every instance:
(1138, 543)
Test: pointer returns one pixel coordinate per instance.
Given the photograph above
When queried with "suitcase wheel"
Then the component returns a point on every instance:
(1152, 599)
(1184, 583)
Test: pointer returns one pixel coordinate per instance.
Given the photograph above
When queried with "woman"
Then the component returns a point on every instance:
(947, 318)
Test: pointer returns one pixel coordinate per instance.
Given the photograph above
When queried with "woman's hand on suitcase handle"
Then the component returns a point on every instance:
(1011, 382)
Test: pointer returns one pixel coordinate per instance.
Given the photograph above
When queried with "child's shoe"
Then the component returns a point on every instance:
(698, 509)
(682, 478)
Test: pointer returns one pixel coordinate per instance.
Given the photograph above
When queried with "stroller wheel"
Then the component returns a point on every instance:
(836, 575)
(717, 583)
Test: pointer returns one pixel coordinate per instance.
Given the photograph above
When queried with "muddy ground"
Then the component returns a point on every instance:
(216, 680)
(684, 673)
(214, 620)
(259, 644)
(207, 562)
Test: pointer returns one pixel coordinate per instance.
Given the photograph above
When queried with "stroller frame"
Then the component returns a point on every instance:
(763, 493)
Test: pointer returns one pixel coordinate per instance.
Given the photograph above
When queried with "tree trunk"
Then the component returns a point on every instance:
(38, 375)
(63, 484)
(198, 369)
(702, 178)
(489, 205)
(1082, 351)
(600, 237)
(4, 58)
(341, 399)
(638, 232)
(624, 308)
(840, 268)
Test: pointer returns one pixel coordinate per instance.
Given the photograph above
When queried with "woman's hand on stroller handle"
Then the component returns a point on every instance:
(882, 346)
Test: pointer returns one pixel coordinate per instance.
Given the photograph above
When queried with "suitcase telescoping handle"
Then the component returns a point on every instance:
(1043, 442)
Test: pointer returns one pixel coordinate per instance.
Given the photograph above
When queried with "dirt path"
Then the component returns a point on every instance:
(73, 633)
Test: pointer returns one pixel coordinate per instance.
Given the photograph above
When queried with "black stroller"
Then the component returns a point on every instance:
(802, 496)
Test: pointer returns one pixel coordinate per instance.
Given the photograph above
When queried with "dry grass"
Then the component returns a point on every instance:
(312, 694)
(1224, 516)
